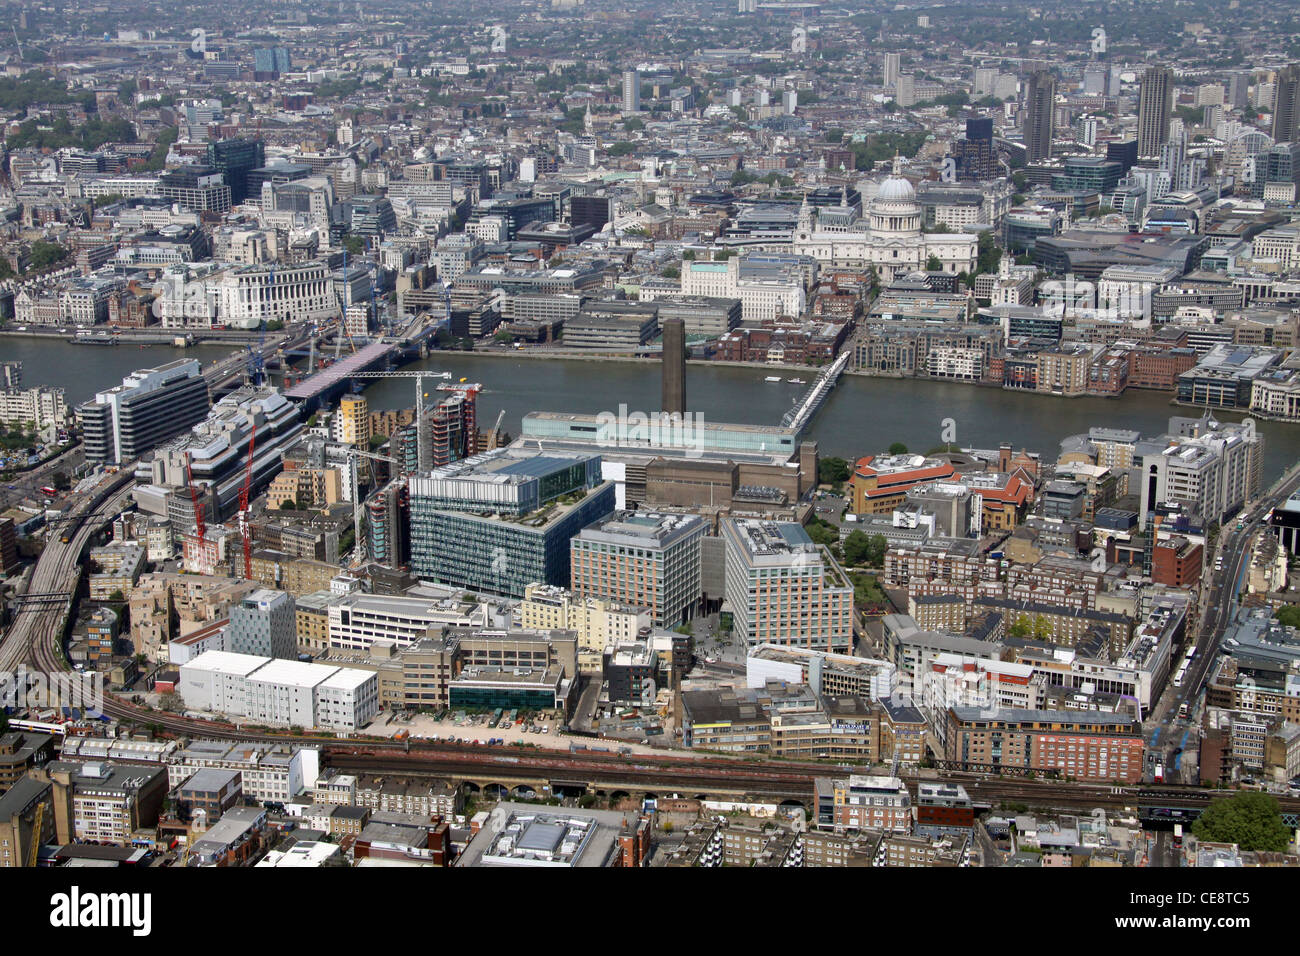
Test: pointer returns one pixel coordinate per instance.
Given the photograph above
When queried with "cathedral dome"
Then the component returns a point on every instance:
(896, 189)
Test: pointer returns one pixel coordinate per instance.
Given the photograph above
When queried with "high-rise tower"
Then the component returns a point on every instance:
(1155, 105)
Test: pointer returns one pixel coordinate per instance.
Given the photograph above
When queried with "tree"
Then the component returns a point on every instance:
(856, 547)
(45, 254)
(877, 545)
(61, 481)
(831, 470)
(1289, 615)
(1249, 819)
(287, 505)
(822, 532)
(898, 448)
(933, 264)
(355, 245)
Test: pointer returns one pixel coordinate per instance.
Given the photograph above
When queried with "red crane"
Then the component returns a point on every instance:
(198, 511)
(244, 532)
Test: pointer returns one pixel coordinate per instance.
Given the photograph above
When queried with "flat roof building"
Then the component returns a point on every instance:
(783, 589)
(643, 559)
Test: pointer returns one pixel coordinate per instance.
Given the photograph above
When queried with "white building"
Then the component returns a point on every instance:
(217, 682)
(1214, 471)
(243, 297)
(359, 620)
(890, 240)
(280, 693)
(760, 298)
(269, 772)
(43, 406)
(954, 680)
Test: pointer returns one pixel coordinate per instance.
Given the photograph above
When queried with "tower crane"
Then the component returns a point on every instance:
(421, 426)
(33, 850)
(495, 435)
(199, 526)
(244, 532)
(358, 542)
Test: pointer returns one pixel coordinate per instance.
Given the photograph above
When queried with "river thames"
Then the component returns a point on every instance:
(862, 416)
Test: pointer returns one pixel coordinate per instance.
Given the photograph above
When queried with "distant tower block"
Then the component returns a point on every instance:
(674, 377)
(498, 39)
(798, 40)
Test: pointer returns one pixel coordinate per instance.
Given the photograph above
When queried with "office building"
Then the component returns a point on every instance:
(1155, 106)
(268, 772)
(597, 622)
(1039, 108)
(263, 623)
(235, 159)
(861, 802)
(1286, 105)
(198, 188)
(522, 835)
(641, 559)
(270, 62)
(1088, 746)
(149, 407)
(280, 693)
(43, 406)
(1212, 469)
(215, 453)
(783, 589)
(501, 520)
(105, 801)
(976, 158)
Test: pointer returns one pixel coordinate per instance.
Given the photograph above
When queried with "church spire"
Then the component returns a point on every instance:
(805, 215)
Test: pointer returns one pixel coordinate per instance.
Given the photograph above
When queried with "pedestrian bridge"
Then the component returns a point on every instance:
(798, 417)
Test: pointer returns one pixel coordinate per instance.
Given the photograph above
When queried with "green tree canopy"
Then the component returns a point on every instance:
(898, 448)
(822, 532)
(831, 470)
(1249, 819)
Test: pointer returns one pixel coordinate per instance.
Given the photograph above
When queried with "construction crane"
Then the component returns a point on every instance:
(199, 527)
(33, 849)
(256, 359)
(244, 531)
(358, 542)
(494, 436)
(421, 426)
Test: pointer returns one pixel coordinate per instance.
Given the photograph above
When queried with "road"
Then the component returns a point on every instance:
(1221, 589)
(27, 484)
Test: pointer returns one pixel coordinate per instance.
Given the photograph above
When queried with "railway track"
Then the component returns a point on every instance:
(36, 638)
